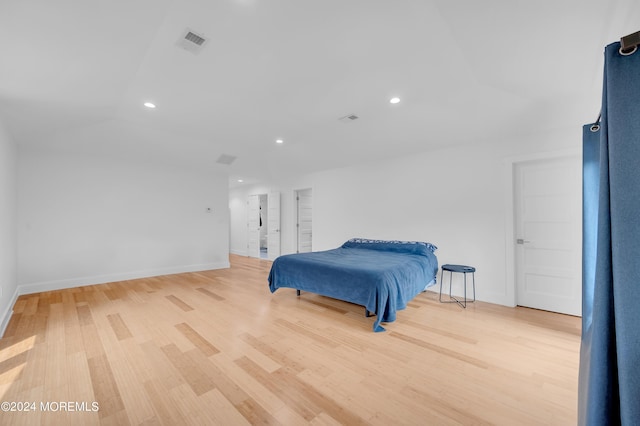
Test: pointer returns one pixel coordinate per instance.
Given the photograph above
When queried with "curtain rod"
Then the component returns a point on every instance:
(628, 45)
(630, 42)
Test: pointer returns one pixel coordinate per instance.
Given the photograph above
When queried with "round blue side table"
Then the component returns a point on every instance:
(463, 269)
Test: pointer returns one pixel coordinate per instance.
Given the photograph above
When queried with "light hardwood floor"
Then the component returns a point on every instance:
(217, 347)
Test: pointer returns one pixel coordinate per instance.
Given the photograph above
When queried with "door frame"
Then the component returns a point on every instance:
(296, 195)
(510, 291)
(249, 253)
(277, 233)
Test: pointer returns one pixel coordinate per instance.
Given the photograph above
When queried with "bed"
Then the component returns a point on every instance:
(383, 276)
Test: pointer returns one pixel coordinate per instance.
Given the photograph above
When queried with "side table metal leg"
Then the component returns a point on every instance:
(474, 285)
(465, 290)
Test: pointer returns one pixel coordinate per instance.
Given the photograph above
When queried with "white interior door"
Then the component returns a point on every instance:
(304, 224)
(253, 226)
(273, 226)
(548, 223)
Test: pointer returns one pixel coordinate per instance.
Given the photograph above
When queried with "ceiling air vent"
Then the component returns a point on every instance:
(226, 159)
(192, 41)
(348, 118)
(194, 38)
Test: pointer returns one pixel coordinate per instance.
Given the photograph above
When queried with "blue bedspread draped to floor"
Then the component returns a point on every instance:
(383, 279)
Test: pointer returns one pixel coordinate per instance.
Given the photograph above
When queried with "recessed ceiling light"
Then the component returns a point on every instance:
(279, 141)
(149, 105)
(240, 180)
(394, 100)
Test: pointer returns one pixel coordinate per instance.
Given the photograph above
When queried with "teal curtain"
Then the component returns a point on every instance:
(609, 382)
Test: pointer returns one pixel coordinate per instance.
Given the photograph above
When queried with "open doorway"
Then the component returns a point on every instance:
(263, 225)
(264, 220)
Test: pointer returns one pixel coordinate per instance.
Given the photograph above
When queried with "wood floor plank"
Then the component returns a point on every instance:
(302, 406)
(33, 373)
(167, 412)
(137, 404)
(223, 413)
(303, 331)
(442, 350)
(237, 376)
(328, 306)
(165, 371)
(198, 341)
(12, 365)
(31, 306)
(56, 373)
(104, 385)
(12, 327)
(81, 387)
(84, 314)
(217, 347)
(179, 303)
(190, 405)
(269, 351)
(210, 294)
(119, 327)
(326, 404)
(192, 374)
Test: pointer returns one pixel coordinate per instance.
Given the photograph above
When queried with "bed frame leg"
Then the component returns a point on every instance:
(297, 292)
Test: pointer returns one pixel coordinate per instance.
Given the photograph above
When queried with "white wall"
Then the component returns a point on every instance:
(455, 198)
(87, 220)
(8, 239)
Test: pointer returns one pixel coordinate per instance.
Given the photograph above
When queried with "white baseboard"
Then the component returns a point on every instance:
(6, 315)
(39, 287)
(238, 252)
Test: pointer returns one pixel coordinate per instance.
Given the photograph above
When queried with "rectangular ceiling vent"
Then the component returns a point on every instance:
(348, 118)
(226, 159)
(192, 41)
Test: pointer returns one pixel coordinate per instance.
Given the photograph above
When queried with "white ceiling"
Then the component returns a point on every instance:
(75, 73)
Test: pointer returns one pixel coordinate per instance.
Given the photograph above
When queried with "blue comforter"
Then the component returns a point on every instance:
(382, 276)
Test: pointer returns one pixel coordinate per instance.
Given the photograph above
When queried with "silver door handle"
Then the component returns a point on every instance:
(522, 241)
